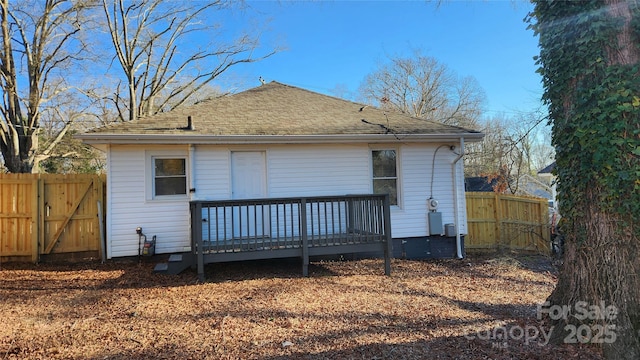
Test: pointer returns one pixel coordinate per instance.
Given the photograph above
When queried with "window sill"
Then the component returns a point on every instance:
(168, 198)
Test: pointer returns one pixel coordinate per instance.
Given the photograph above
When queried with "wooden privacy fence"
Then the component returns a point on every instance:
(507, 222)
(46, 214)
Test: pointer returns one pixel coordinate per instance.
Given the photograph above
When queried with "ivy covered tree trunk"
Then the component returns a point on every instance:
(590, 64)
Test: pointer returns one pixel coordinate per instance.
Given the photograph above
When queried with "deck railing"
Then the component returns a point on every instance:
(230, 230)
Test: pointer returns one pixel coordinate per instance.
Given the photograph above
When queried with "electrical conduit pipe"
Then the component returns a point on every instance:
(456, 207)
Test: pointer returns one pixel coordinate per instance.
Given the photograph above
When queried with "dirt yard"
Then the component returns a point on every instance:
(266, 310)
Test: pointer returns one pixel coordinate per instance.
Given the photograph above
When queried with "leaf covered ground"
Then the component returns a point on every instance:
(476, 308)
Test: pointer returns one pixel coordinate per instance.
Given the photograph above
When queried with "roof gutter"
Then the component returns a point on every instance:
(101, 138)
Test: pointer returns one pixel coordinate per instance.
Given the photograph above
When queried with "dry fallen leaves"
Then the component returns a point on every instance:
(266, 310)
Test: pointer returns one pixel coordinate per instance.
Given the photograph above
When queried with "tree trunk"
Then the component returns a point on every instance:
(15, 164)
(602, 259)
(600, 267)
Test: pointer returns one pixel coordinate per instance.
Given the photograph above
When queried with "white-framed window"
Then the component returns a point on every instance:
(385, 173)
(169, 176)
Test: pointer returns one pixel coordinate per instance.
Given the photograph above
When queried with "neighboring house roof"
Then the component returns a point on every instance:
(548, 170)
(479, 184)
(276, 112)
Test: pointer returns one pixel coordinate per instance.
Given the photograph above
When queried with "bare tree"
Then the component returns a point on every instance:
(59, 151)
(40, 39)
(487, 156)
(423, 87)
(511, 148)
(150, 40)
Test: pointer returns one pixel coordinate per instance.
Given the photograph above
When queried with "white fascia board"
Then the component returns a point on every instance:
(272, 139)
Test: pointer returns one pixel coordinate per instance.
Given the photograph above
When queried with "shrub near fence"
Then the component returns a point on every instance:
(47, 214)
(507, 222)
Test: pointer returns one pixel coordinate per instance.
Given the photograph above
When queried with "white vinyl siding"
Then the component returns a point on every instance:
(213, 173)
(291, 170)
(131, 204)
(318, 170)
(416, 163)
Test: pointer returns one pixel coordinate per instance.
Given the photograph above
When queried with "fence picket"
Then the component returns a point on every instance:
(507, 222)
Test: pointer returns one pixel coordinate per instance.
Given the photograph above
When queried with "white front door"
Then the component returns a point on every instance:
(249, 181)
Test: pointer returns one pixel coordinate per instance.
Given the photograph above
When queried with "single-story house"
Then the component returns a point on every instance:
(548, 176)
(278, 141)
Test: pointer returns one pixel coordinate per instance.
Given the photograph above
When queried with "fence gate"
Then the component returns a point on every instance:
(44, 214)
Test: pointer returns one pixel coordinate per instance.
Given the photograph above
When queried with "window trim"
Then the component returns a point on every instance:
(150, 182)
(397, 178)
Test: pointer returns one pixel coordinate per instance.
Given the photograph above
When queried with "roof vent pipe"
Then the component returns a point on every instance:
(190, 124)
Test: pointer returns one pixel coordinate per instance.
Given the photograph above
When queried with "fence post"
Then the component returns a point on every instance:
(303, 237)
(498, 218)
(42, 195)
(103, 253)
(35, 219)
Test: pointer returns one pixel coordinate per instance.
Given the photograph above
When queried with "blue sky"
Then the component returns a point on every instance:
(335, 44)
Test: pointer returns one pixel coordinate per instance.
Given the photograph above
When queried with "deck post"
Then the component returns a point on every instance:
(350, 216)
(303, 237)
(387, 232)
(196, 233)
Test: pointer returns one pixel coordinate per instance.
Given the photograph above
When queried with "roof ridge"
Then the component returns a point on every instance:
(317, 93)
(363, 105)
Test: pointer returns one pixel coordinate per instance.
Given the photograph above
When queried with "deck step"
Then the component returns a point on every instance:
(175, 258)
(176, 264)
(161, 268)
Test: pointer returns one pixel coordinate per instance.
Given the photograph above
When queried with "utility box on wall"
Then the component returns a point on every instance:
(450, 230)
(435, 223)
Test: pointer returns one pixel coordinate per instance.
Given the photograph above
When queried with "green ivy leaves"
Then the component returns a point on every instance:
(594, 104)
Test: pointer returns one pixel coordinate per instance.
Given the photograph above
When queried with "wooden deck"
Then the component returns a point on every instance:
(237, 230)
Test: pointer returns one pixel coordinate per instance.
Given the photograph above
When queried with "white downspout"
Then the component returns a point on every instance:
(456, 211)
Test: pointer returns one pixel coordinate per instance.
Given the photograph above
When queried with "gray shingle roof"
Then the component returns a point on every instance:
(548, 169)
(276, 109)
